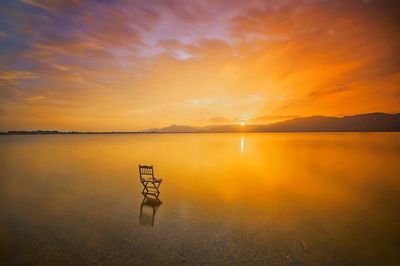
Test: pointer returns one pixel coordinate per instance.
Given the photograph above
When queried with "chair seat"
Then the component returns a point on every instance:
(155, 180)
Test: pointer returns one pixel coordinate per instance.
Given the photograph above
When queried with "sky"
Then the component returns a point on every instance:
(130, 65)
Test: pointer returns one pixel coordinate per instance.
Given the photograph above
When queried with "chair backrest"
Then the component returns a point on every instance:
(146, 170)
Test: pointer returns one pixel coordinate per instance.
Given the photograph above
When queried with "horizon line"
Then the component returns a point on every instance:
(245, 127)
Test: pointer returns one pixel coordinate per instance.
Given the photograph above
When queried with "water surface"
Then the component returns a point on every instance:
(276, 199)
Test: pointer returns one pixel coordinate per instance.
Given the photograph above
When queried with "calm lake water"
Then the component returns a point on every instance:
(268, 199)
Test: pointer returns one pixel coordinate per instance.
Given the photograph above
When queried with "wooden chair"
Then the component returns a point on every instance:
(150, 183)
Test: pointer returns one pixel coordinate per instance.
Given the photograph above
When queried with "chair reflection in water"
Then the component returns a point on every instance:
(150, 183)
(150, 191)
(148, 210)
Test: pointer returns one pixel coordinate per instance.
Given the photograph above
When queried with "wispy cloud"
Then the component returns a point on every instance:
(219, 120)
(320, 93)
(14, 75)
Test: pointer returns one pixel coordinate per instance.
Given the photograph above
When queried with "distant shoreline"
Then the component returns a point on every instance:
(40, 132)
(162, 133)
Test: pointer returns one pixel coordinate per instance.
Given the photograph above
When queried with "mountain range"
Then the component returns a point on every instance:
(370, 122)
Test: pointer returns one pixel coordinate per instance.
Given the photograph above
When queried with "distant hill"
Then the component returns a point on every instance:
(363, 123)
(174, 129)
(188, 129)
(358, 123)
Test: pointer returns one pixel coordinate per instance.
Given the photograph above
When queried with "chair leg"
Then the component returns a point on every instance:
(145, 190)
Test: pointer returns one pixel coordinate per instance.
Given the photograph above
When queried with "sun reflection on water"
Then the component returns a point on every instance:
(241, 145)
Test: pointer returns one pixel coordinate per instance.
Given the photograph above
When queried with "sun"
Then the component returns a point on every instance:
(242, 123)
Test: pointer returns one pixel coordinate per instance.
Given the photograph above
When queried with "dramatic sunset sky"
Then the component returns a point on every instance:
(130, 65)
